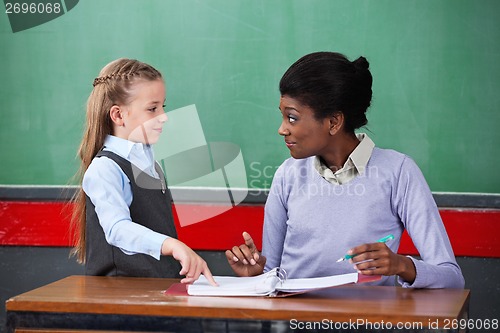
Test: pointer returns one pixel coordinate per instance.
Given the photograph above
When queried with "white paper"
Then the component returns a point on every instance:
(265, 284)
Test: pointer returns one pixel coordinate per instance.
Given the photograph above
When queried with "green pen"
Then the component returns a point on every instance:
(381, 240)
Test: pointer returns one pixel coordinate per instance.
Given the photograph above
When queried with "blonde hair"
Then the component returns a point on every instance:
(111, 87)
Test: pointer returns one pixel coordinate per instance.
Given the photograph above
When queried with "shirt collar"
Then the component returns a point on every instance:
(362, 153)
(124, 147)
(358, 158)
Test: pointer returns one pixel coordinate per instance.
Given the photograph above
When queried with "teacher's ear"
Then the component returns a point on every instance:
(336, 122)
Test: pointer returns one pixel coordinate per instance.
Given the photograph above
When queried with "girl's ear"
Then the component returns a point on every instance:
(115, 113)
(336, 122)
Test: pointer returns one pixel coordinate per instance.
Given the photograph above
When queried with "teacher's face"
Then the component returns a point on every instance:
(304, 135)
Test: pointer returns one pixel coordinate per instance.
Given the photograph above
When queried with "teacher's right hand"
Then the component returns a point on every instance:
(246, 260)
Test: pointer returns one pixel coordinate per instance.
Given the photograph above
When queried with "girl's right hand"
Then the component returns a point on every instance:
(246, 260)
(192, 264)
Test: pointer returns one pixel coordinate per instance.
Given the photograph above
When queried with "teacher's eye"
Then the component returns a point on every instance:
(152, 109)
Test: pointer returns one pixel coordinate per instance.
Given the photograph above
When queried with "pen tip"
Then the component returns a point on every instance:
(341, 259)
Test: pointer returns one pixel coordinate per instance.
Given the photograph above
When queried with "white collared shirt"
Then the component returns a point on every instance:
(355, 164)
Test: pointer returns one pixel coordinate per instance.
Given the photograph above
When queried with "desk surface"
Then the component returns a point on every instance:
(145, 296)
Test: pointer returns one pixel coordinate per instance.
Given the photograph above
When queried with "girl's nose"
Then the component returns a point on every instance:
(163, 117)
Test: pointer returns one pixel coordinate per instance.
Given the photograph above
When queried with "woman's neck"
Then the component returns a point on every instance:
(341, 147)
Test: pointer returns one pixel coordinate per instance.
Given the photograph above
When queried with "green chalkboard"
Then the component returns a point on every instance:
(435, 64)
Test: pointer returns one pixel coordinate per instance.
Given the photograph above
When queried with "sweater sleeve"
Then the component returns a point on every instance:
(419, 213)
(275, 221)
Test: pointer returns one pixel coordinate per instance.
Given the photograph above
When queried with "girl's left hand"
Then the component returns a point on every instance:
(378, 259)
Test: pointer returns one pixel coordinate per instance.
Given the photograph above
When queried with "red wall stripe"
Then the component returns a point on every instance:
(23, 223)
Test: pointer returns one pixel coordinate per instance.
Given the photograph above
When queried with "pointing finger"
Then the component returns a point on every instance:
(248, 240)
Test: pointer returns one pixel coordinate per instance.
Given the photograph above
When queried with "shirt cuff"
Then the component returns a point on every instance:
(153, 244)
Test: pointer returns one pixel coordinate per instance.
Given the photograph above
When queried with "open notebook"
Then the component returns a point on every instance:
(273, 283)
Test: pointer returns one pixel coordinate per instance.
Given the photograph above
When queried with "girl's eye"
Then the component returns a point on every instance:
(292, 119)
(155, 108)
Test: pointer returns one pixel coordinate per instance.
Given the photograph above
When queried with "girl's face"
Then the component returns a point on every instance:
(144, 117)
(304, 135)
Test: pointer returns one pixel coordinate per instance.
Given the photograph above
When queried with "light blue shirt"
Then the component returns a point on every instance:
(109, 190)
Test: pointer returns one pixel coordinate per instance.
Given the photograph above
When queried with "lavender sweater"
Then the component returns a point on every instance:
(309, 223)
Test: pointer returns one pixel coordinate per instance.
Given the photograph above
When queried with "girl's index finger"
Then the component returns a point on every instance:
(211, 280)
(206, 272)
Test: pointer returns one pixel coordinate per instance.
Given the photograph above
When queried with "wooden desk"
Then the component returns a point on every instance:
(103, 303)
